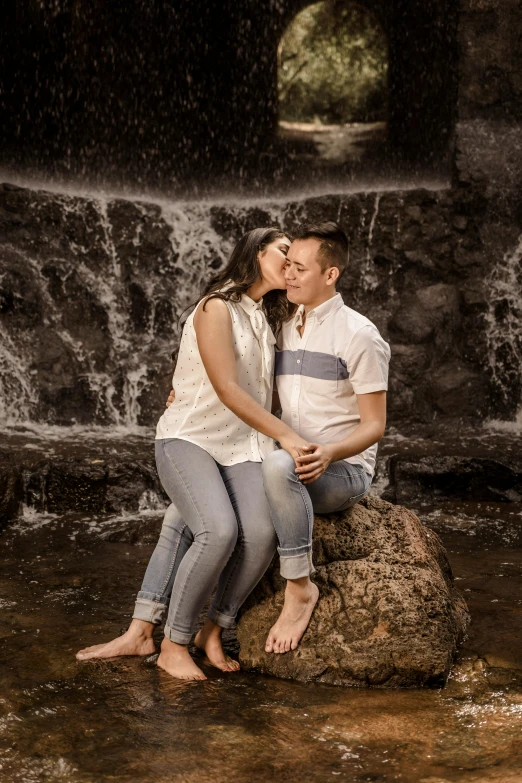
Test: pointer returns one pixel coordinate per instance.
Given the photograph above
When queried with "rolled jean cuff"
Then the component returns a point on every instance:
(179, 637)
(149, 610)
(223, 620)
(297, 566)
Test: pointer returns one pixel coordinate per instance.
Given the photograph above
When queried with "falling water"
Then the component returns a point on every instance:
(101, 254)
(101, 283)
(370, 278)
(504, 330)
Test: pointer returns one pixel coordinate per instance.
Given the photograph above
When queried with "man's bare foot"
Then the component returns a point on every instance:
(208, 639)
(301, 596)
(137, 640)
(175, 660)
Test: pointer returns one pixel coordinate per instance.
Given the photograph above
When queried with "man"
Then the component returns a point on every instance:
(332, 377)
(332, 374)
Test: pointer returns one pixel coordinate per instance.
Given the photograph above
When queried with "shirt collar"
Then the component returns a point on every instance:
(321, 312)
(246, 302)
(249, 305)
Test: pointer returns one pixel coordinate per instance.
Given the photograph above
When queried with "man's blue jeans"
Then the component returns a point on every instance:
(292, 505)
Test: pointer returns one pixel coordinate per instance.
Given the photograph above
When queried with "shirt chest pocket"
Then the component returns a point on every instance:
(325, 372)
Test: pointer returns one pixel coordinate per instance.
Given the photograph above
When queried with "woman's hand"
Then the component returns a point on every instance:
(294, 444)
(172, 397)
(312, 465)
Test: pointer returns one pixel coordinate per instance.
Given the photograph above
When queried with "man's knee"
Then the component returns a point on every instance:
(263, 539)
(278, 467)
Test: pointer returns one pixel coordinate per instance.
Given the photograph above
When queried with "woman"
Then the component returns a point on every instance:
(209, 448)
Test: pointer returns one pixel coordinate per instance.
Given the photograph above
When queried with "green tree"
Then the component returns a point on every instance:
(333, 65)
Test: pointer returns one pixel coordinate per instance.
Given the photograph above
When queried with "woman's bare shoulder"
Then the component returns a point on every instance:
(214, 309)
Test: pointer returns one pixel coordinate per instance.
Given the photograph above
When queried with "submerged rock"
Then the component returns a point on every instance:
(388, 615)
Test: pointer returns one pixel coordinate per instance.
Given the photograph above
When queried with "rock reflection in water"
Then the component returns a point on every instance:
(65, 585)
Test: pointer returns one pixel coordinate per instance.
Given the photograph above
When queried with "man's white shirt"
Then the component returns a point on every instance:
(319, 373)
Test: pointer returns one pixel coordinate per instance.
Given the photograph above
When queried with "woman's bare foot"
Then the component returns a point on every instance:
(175, 660)
(208, 639)
(137, 640)
(301, 596)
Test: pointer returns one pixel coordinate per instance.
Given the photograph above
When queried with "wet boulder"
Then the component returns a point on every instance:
(388, 614)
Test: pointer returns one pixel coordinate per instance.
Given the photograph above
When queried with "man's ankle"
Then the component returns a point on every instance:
(301, 585)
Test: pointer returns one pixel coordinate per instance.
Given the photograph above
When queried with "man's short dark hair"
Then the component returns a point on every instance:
(333, 250)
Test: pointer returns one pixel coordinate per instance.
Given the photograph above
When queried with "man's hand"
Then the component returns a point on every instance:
(172, 397)
(313, 465)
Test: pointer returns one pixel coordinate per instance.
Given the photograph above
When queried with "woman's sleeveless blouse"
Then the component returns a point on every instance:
(197, 414)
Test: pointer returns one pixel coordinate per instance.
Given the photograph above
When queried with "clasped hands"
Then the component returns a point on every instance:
(312, 465)
(311, 459)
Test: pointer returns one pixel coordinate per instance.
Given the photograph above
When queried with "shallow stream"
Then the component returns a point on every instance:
(69, 581)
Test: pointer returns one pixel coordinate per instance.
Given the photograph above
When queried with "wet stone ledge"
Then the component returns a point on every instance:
(119, 476)
(81, 479)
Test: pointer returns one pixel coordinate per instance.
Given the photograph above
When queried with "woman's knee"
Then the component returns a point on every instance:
(221, 535)
(278, 466)
(173, 521)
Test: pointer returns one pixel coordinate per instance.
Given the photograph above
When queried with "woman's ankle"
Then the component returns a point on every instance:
(211, 628)
(168, 646)
(141, 628)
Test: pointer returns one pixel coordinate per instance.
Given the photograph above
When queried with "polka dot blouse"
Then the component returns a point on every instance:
(198, 415)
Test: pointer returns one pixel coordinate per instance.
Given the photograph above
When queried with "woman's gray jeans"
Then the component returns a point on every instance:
(218, 531)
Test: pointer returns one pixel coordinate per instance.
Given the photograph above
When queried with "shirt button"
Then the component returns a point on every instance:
(299, 361)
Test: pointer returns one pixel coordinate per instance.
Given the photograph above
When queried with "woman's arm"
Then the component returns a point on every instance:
(213, 327)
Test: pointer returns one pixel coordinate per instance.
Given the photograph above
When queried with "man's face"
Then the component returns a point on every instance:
(306, 283)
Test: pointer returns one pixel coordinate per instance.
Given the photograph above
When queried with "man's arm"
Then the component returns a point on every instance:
(372, 410)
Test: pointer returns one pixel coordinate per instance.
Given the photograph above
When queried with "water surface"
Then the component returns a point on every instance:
(69, 581)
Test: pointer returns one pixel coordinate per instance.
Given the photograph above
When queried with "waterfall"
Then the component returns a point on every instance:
(94, 296)
(91, 292)
(92, 289)
(504, 330)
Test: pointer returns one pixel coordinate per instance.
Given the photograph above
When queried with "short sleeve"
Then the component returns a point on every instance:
(367, 360)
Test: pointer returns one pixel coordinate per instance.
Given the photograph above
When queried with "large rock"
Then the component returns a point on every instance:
(389, 614)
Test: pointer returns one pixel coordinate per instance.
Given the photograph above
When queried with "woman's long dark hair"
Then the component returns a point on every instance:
(243, 270)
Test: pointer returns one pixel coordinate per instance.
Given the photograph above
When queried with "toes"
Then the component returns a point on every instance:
(90, 649)
(293, 644)
(84, 655)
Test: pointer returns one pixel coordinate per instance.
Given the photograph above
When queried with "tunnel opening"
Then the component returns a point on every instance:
(203, 98)
(333, 86)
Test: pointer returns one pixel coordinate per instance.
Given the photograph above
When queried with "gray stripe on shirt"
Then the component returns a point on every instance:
(313, 364)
